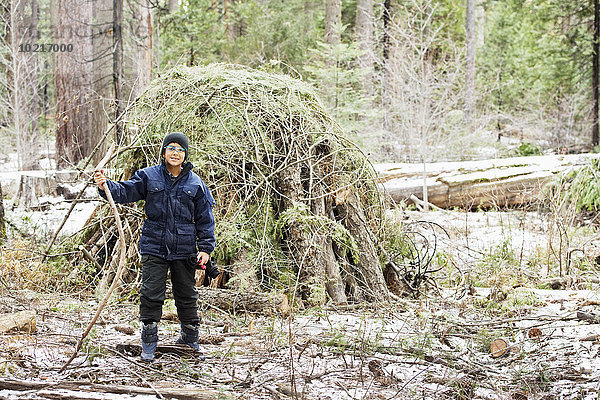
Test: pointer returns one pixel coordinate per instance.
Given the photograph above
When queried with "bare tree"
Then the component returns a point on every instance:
(72, 23)
(422, 93)
(385, 84)
(24, 82)
(470, 66)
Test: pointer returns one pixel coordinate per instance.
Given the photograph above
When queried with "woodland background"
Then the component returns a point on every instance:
(416, 81)
(410, 80)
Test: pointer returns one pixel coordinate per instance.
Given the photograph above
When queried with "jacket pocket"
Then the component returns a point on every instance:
(186, 239)
(155, 201)
(186, 197)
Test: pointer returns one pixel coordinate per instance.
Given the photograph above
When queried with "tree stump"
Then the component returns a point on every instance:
(499, 347)
(31, 187)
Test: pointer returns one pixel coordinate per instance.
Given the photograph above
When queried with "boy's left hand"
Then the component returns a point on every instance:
(203, 258)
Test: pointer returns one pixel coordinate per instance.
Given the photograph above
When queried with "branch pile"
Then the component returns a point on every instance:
(297, 208)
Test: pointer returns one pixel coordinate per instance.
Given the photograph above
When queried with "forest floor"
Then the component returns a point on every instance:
(493, 284)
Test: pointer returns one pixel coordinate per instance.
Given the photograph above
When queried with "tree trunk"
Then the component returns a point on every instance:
(73, 80)
(118, 67)
(25, 91)
(470, 67)
(102, 85)
(228, 20)
(368, 270)
(324, 254)
(385, 84)
(32, 187)
(364, 35)
(173, 6)
(144, 46)
(299, 240)
(322, 206)
(333, 21)
(595, 72)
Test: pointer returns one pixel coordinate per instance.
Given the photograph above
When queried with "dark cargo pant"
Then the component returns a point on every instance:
(152, 293)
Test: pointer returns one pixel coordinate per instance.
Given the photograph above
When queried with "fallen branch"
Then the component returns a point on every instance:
(421, 203)
(569, 281)
(90, 257)
(86, 387)
(591, 338)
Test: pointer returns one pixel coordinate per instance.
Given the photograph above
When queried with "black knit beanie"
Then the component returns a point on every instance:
(176, 137)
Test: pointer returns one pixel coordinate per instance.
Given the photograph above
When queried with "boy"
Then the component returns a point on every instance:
(177, 235)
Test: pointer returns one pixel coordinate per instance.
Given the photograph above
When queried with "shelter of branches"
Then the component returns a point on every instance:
(297, 208)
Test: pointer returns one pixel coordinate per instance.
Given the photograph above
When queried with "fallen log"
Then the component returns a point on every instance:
(20, 321)
(134, 349)
(230, 300)
(473, 184)
(86, 387)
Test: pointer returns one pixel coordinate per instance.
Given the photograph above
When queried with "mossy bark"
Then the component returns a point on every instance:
(369, 274)
(299, 242)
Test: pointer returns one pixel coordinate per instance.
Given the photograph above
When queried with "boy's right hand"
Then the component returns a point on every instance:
(99, 178)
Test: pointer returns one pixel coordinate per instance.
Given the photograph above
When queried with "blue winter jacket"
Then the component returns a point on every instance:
(179, 213)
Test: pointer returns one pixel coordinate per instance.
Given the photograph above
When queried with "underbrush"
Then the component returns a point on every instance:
(22, 268)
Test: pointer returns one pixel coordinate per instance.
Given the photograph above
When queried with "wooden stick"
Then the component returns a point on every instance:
(90, 257)
(122, 259)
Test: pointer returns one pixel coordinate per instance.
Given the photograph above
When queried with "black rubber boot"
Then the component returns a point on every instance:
(189, 336)
(149, 341)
